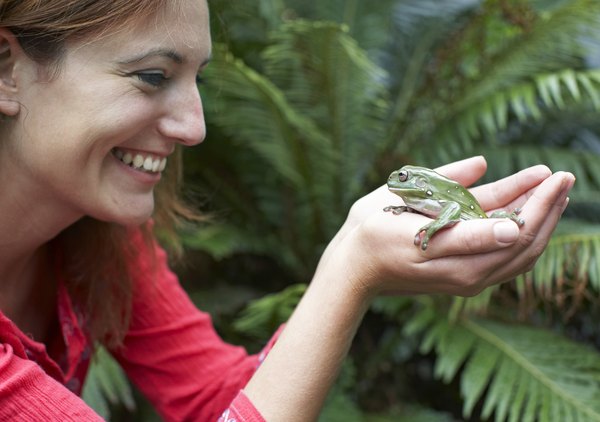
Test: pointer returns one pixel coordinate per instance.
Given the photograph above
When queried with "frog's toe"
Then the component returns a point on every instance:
(417, 240)
(421, 239)
(396, 209)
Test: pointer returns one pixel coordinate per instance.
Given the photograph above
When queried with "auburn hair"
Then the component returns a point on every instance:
(96, 255)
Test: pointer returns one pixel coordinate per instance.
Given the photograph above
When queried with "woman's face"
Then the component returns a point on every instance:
(94, 139)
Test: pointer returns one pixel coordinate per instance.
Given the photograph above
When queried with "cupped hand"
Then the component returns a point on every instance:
(375, 250)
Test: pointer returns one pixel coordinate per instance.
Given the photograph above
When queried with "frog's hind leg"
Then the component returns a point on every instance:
(514, 216)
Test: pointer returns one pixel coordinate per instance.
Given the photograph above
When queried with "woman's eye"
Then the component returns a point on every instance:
(156, 79)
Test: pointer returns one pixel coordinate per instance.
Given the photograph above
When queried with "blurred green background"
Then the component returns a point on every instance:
(309, 106)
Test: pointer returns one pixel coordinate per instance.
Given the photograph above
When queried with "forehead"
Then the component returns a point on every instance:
(183, 26)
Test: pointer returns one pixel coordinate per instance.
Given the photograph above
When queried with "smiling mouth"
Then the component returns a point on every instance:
(146, 163)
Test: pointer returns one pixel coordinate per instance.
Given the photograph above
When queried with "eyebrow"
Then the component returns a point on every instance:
(160, 52)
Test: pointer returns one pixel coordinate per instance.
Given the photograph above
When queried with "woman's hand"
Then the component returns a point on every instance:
(376, 253)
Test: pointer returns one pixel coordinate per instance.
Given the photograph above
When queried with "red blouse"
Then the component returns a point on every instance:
(171, 352)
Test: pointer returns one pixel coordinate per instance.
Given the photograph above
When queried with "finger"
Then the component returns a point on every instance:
(473, 237)
(542, 213)
(547, 199)
(466, 172)
(511, 189)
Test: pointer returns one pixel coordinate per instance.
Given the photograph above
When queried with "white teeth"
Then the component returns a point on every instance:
(148, 162)
(139, 162)
(127, 158)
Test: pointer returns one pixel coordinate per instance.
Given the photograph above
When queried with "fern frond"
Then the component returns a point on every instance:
(568, 272)
(106, 385)
(506, 160)
(521, 373)
(267, 122)
(262, 317)
(528, 101)
(552, 42)
(327, 77)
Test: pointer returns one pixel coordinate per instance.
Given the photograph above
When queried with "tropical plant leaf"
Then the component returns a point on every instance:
(525, 101)
(521, 373)
(262, 317)
(567, 274)
(320, 69)
(106, 385)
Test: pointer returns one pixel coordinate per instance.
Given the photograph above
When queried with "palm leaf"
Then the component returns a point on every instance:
(521, 373)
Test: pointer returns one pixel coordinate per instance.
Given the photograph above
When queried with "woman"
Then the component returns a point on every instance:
(95, 95)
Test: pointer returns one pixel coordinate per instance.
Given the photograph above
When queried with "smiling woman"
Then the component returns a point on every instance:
(67, 58)
(96, 96)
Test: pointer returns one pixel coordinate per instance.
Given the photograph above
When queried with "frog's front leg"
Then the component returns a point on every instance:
(397, 209)
(449, 216)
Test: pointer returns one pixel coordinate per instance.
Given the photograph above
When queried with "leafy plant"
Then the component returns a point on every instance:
(106, 386)
(311, 104)
(316, 110)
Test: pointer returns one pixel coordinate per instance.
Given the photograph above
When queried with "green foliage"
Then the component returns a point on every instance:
(262, 317)
(106, 386)
(311, 104)
(521, 373)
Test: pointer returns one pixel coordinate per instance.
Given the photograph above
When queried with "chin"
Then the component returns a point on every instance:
(131, 217)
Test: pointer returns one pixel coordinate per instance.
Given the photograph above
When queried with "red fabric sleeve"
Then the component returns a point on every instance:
(173, 354)
(27, 393)
(241, 410)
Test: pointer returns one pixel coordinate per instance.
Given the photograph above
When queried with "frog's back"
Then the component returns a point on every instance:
(469, 206)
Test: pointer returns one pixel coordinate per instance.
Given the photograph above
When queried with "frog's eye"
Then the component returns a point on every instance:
(403, 176)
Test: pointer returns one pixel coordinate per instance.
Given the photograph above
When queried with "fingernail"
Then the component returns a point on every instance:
(506, 232)
(566, 187)
(565, 204)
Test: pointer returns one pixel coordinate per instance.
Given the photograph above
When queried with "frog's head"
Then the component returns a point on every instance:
(412, 182)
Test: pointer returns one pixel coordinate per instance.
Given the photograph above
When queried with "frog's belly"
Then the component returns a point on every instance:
(423, 206)
(433, 209)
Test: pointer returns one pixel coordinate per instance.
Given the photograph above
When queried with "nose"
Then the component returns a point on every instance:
(184, 119)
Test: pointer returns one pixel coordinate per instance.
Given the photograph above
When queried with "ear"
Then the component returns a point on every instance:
(10, 51)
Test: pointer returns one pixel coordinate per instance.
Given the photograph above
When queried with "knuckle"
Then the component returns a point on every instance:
(472, 242)
(466, 285)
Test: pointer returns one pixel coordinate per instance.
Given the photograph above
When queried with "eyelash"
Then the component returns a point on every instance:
(154, 79)
(157, 79)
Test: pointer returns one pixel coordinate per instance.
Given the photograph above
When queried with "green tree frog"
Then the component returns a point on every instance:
(429, 193)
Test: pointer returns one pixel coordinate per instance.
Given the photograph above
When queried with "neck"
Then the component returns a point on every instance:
(29, 220)
(28, 294)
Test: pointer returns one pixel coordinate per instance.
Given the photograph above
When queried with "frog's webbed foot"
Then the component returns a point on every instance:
(427, 231)
(397, 209)
(514, 216)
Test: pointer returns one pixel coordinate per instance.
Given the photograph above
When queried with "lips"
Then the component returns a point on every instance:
(143, 162)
